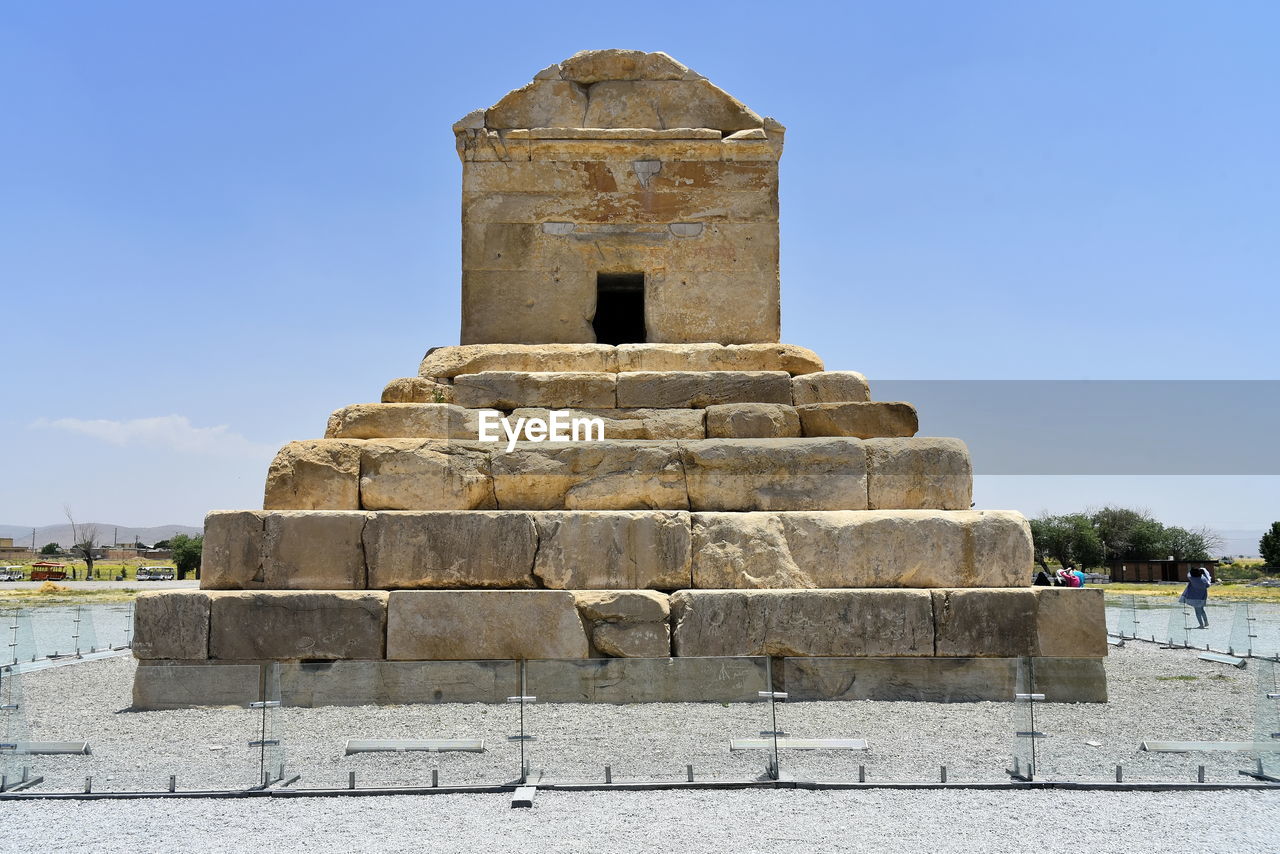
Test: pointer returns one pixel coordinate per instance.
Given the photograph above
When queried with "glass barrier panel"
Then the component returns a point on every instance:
(650, 719)
(113, 624)
(1266, 627)
(15, 735)
(1179, 627)
(1025, 758)
(895, 719)
(1122, 616)
(1242, 635)
(1164, 713)
(191, 722)
(271, 757)
(398, 724)
(1267, 721)
(19, 644)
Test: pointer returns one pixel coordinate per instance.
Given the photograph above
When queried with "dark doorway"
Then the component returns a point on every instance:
(619, 308)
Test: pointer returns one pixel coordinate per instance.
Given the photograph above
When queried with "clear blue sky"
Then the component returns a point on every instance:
(236, 217)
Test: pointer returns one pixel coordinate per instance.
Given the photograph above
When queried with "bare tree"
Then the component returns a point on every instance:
(84, 539)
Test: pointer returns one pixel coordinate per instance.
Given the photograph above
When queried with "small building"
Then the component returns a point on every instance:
(1157, 570)
(9, 552)
(619, 198)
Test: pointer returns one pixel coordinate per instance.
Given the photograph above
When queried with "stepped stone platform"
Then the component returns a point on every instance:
(620, 476)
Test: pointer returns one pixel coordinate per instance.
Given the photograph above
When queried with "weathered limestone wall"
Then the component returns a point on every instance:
(830, 473)
(463, 625)
(614, 550)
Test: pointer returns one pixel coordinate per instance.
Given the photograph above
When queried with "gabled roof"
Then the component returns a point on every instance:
(617, 89)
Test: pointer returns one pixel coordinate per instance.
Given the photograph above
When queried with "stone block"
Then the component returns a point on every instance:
(918, 474)
(865, 420)
(425, 474)
(478, 548)
(542, 358)
(556, 390)
(730, 307)
(590, 476)
(623, 606)
(402, 421)
(313, 550)
(540, 104)
(939, 680)
(631, 423)
(231, 558)
(696, 389)
(612, 550)
(293, 625)
(483, 624)
(802, 622)
(717, 357)
(530, 307)
(1001, 548)
(752, 421)
(398, 683)
(594, 66)
(632, 640)
(417, 390)
(1037, 621)
(649, 680)
(867, 548)
(830, 387)
(318, 474)
(691, 103)
(171, 624)
(170, 684)
(775, 474)
(1070, 626)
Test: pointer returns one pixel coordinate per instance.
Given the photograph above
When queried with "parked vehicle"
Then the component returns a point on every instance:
(155, 573)
(12, 573)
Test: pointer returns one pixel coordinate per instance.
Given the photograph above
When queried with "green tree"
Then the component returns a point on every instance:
(162, 544)
(186, 553)
(1269, 546)
(1181, 544)
(1069, 539)
(50, 549)
(1128, 534)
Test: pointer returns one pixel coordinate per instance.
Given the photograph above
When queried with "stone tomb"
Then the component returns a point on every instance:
(619, 259)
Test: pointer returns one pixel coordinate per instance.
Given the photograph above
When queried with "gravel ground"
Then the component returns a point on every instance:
(1155, 694)
(688, 822)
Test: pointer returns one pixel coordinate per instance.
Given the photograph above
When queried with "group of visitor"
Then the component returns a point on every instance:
(1068, 576)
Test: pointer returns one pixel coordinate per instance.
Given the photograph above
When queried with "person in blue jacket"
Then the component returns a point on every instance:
(1197, 594)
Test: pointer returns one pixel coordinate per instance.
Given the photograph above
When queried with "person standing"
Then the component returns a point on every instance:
(1196, 594)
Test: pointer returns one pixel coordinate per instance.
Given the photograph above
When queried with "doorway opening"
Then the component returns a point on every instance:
(619, 308)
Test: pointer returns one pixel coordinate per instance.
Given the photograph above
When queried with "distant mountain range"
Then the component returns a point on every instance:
(108, 533)
(1240, 543)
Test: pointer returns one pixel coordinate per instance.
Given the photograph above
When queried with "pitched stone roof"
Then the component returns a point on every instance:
(617, 89)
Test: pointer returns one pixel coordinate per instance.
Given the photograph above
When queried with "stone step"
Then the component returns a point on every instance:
(464, 625)
(507, 390)
(718, 421)
(449, 362)
(186, 684)
(983, 623)
(834, 473)
(614, 550)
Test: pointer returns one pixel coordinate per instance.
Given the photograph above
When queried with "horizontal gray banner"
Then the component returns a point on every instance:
(1100, 427)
